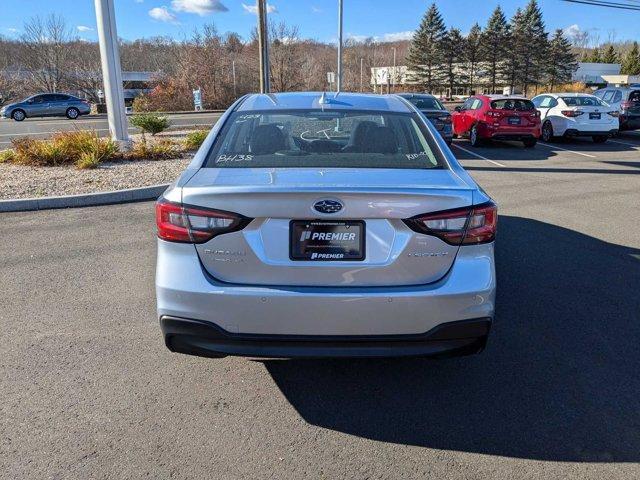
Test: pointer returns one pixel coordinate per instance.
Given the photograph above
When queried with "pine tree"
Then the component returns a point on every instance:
(532, 46)
(493, 45)
(473, 54)
(510, 68)
(425, 57)
(561, 60)
(631, 62)
(453, 49)
(610, 55)
(594, 56)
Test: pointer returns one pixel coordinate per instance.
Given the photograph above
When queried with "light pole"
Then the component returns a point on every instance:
(233, 73)
(339, 82)
(111, 71)
(263, 43)
(394, 70)
(361, 73)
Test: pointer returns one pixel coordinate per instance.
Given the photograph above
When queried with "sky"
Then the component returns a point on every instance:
(317, 19)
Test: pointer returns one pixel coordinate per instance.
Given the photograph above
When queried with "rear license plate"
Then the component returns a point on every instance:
(514, 120)
(318, 240)
(594, 116)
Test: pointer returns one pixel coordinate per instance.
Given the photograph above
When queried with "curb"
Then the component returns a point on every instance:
(83, 200)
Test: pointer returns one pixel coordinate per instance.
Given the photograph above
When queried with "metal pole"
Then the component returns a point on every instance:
(361, 72)
(394, 70)
(267, 66)
(339, 81)
(263, 40)
(261, 44)
(233, 72)
(111, 71)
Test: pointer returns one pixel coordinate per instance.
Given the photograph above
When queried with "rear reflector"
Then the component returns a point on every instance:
(463, 226)
(183, 223)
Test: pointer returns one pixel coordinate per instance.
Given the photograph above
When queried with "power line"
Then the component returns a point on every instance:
(601, 3)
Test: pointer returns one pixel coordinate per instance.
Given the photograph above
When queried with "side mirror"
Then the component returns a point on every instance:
(458, 108)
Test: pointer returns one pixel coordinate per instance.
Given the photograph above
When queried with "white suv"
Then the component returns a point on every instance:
(576, 115)
(625, 100)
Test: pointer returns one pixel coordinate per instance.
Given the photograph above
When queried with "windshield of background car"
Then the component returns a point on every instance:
(519, 105)
(583, 102)
(426, 103)
(323, 138)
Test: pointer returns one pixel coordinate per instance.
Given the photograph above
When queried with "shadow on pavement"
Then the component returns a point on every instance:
(559, 380)
(618, 171)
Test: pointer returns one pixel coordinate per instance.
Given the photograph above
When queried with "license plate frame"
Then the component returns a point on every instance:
(514, 121)
(305, 248)
(595, 116)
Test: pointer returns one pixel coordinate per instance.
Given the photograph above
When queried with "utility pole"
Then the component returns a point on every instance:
(111, 71)
(361, 74)
(394, 69)
(339, 82)
(263, 44)
(233, 73)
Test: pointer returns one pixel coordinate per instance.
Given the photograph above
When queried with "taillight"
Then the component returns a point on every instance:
(625, 105)
(493, 113)
(183, 223)
(445, 118)
(462, 226)
(571, 113)
(614, 113)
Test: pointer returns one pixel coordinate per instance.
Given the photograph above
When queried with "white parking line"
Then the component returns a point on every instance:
(567, 150)
(478, 156)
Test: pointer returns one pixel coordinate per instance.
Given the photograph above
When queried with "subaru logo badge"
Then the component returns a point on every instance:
(327, 206)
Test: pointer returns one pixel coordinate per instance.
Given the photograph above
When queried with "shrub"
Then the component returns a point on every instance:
(88, 160)
(65, 148)
(162, 150)
(194, 139)
(141, 103)
(7, 156)
(150, 123)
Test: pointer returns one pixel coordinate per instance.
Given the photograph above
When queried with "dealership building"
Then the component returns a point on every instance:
(385, 79)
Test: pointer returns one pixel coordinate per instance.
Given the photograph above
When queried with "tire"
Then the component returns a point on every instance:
(530, 142)
(600, 138)
(473, 137)
(455, 135)
(547, 132)
(18, 115)
(72, 113)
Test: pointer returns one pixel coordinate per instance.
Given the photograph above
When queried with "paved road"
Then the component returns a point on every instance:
(45, 127)
(87, 389)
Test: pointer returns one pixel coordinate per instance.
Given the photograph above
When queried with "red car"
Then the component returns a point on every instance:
(499, 117)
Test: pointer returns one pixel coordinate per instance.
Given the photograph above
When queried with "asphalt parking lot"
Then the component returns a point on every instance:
(88, 390)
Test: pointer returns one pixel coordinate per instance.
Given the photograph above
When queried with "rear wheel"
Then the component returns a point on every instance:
(547, 132)
(73, 113)
(530, 142)
(18, 115)
(599, 138)
(473, 136)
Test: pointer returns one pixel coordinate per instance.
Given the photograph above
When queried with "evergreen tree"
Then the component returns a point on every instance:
(631, 62)
(594, 56)
(453, 50)
(493, 45)
(473, 54)
(425, 57)
(561, 60)
(510, 68)
(610, 55)
(532, 46)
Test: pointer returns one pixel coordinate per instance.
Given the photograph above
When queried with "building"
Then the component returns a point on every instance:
(622, 80)
(384, 79)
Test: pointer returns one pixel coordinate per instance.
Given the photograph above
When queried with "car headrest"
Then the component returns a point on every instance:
(267, 139)
(380, 140)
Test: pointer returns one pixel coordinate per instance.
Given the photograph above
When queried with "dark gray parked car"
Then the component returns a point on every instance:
(47, 105)
(434, 111)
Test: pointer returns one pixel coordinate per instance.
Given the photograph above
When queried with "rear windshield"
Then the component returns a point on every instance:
(426, 103)
(634, 96)
(324, 138)
(520, 105)
(583, 101)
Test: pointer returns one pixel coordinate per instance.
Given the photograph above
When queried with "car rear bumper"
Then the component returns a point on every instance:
(201, 338)
(185, 290)
(573, 132)
(486, 130)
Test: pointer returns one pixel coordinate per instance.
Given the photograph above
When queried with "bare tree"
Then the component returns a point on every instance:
(46, 50)
(286, 58)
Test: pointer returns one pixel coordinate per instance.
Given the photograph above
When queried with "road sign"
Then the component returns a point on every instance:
(197, 99)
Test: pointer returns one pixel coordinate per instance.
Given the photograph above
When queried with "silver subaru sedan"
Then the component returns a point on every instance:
(323, 225)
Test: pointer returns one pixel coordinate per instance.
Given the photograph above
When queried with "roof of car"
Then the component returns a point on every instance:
(416, 95)
(326, 100)
(569, 94)
(504, 97)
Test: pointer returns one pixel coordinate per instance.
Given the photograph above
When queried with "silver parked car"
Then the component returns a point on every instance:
(47, 105)
(310, 225)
